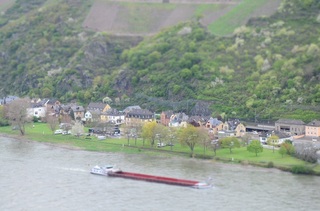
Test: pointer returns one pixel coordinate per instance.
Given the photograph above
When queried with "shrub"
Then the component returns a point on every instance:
(245, 162)
(301, 169)
(270, 164)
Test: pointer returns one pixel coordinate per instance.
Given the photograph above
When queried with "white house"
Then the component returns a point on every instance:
(38, 109)
(88, 116)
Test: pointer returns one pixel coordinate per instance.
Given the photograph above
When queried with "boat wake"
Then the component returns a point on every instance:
(72, 169)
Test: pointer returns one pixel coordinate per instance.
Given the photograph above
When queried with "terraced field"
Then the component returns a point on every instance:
(147, 17)
(5, 4)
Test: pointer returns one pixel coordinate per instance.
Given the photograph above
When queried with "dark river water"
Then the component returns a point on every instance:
(36, 176)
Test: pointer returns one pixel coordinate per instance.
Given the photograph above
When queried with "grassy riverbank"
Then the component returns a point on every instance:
(267, 158)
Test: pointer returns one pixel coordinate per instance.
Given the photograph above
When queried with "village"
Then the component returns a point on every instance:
(107, 121)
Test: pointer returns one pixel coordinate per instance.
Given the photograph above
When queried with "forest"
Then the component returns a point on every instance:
(265, 70)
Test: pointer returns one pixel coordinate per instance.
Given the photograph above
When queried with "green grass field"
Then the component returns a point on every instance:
(237, 17)
(42, 133)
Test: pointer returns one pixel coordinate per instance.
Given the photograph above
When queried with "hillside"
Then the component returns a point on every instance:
(265, 70)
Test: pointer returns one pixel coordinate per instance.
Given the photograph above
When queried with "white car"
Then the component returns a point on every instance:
(66, 132)
(101, 137)
(161, 144)
(58, 132)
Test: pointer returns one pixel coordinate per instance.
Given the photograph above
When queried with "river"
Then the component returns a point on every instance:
(36, 176)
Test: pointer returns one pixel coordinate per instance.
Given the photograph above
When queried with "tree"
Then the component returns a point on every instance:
(161, 133)
(17, 114)
(3, 120)
(282, 150)
(77, 129)
(189, 136)
(307, 151)
(172, 136)
(214, 146)
(230, 143)
(204, 138)
(273, 140)
(52, 122)
(65, 119)
(246, 138)
(255, 147)
(286, 148)
(148, 132)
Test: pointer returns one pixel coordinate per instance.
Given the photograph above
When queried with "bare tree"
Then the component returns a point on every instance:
(52, 121)
(214, 146)
(307, 151)
(246, 139)
(65, 118)
(204, 138)
(17, 114)
(77, 129)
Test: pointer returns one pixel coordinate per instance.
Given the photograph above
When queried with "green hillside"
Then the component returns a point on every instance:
(266, 70)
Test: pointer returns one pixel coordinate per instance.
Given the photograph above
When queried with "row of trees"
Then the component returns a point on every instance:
(191, 136)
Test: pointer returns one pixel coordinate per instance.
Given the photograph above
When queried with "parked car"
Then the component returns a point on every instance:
(66, 132)
(58, 132)
(101, 137)
(161, 144)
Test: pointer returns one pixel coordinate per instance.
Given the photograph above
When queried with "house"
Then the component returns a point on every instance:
(240, 130)
(214, 125)
(312, 129)
(88, 116)
(53, 107)
(178, 120)
(78, 112)
(261, 136)
(102, 107)
(115, 116)
(290, 126)
(232, 128)
(198, 121)
(283, 136)
(165, 117)
(38, 108)
(65, 110)
(138, 116)
(95, 112)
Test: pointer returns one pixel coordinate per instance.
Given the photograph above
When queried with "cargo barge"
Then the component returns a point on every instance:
(160, 179)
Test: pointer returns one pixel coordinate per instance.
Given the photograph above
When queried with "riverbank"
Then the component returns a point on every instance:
(266, 159)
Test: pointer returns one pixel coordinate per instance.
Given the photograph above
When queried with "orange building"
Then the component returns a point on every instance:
(313, 129)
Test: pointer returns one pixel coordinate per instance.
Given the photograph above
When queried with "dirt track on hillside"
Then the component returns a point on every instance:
(4, 2)
(184, 1)
(140, 19)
